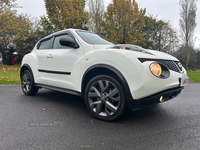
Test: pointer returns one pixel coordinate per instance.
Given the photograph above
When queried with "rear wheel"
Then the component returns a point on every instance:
(104, 98)
(27, 83)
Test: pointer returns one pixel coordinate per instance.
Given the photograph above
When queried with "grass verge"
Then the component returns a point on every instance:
(194, 76)
(9, 74)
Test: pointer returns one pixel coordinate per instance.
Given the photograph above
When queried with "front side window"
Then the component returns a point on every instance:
(57, 44)
(92, 38)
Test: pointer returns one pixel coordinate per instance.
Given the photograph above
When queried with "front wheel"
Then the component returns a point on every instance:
(27, 83)
(104, 98)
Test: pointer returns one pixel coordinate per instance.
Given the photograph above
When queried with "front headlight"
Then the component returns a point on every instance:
(159, 70)
(156, 69)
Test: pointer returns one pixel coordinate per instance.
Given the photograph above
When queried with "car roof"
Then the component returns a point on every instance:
(61, 31)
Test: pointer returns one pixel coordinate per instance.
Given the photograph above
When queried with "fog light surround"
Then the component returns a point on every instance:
(159, 70)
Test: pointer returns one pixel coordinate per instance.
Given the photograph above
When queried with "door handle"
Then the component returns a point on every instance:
(50, 56)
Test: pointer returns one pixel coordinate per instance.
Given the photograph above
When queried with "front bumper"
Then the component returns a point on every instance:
(155, 98)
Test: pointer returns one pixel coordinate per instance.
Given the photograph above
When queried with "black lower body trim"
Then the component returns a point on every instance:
(59, 89)
(156, 98)
(54, 72)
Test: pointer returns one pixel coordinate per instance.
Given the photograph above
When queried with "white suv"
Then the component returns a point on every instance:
(108, 77)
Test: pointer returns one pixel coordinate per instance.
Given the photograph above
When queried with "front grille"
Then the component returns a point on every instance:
(179, 65)
(170, 64)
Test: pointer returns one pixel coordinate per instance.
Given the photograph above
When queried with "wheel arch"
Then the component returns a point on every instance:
(103, 69)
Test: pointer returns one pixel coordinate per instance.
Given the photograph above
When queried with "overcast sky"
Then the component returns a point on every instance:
(164, 9)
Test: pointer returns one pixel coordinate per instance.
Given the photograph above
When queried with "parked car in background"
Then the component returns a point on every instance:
(10, 58)
(108, 77)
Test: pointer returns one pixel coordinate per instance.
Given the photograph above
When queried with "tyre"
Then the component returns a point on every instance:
(104, 98)
(27, 83)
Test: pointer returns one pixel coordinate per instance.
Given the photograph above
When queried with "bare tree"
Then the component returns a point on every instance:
(96, 10)
(187, 24)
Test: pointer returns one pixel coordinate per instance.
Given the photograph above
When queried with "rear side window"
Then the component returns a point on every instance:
(57, 45)
(45, 44)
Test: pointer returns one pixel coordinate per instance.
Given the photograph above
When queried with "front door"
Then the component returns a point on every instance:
(63, 65)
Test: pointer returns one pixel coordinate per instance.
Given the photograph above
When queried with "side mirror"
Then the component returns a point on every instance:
(65, 41)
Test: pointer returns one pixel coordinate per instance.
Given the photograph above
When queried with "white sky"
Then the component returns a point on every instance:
(165, 9)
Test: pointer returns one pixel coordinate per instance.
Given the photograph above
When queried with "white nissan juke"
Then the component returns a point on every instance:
(108, 77)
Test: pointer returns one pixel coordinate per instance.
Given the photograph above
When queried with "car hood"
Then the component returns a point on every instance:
(163, 55)
(136, 48)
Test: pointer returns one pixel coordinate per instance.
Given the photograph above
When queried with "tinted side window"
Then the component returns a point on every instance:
(57, 45)
(45, 44)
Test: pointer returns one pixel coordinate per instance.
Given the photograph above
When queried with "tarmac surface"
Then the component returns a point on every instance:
(57, 121)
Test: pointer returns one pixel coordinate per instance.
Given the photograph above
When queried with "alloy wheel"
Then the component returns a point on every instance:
(104, 98)
(26, 82)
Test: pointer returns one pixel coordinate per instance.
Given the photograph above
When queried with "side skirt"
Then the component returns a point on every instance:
(59, 89)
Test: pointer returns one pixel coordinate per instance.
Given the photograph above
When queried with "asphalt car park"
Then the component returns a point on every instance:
(55, 120)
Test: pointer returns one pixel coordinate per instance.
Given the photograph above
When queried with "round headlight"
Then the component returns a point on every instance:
(156, 69)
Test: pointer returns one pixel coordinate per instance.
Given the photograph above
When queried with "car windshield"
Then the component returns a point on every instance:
(92, 38)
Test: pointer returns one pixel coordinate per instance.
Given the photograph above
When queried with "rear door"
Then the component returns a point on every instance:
(63, 64)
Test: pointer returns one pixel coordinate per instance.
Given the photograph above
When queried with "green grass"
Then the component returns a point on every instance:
(194, 76)
(9, 74)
